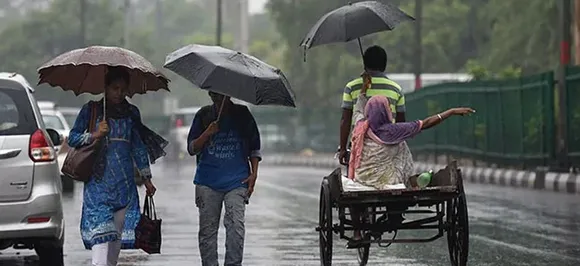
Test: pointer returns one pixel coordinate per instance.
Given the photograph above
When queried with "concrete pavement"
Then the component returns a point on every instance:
(508, 226)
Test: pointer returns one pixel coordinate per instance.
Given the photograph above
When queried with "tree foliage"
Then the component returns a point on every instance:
(491, 36)
(501, 37)
(34, 31)
(43, 34)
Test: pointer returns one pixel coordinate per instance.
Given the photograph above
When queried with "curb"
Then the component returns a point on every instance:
(537, 180)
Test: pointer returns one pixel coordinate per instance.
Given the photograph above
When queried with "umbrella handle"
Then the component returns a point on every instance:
(105, 105)
(221, 108)
(105, 98)
(360, 47)
(218, 118)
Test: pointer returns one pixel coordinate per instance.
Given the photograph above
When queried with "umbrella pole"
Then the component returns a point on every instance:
(360, 47)
(221, 108)
(218, 118)
(105, 105)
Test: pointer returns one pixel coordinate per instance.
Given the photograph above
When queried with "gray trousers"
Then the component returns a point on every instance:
(210, 203)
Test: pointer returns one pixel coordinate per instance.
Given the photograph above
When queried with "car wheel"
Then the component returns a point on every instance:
(50, 253)
(68, 185)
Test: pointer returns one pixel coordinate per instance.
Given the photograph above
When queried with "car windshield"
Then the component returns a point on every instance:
(52, 121)
(16, 116)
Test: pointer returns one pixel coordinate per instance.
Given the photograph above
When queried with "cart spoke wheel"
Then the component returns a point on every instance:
(363, 253)
(325, 224)
(458, 233)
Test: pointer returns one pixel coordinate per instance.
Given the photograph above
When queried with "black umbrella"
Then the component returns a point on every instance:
(354, 21)
(231, 73)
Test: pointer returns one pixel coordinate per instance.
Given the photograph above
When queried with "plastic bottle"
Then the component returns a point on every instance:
(424, 179)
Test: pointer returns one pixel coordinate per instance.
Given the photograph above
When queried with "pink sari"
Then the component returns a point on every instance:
(377, 125)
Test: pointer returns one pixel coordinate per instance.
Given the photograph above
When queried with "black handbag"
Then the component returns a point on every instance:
(79, 162)
(148, 231)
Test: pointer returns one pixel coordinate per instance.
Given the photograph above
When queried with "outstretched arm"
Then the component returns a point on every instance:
(438, 118)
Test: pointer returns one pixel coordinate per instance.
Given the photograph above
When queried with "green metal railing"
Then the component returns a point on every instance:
(573, 122)
(293, 130)
(513, 125)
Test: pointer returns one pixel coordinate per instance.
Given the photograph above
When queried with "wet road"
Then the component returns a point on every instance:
(508, 227)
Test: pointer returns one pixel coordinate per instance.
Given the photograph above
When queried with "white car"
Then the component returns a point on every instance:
(30, 190)
(70, 114)
(56, 120)
(53, 118)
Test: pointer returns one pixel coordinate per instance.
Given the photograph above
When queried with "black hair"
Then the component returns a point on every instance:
(375, 58)
(115, 73)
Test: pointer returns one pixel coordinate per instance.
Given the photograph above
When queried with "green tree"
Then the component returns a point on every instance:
(504, 37)
(524, 34)
(447, 43)
(46, 33)
(319, 81)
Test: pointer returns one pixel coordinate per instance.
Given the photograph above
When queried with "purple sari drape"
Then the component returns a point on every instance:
(378, 125)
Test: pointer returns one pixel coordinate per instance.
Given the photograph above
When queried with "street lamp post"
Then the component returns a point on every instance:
(418, 43)
(565, 47)
(219, 23)
(83, 24)
(127, 11)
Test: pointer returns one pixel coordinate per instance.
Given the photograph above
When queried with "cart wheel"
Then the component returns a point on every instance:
(458, 233)
(325, 224)
(363, 255)
(363, 252)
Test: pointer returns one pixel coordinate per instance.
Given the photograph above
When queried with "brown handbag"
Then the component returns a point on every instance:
(79, 162)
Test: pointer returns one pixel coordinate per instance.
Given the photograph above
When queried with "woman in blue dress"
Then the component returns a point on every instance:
(110, 209)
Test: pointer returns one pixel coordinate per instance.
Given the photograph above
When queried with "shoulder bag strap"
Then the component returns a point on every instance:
(93, 117)
(153, 208)
(146, 207)
(149, 208)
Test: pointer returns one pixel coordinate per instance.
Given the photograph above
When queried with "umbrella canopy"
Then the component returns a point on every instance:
(231, 73)
(354, 21)
(83, 70)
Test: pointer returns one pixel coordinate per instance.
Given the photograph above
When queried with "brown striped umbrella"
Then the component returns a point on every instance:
(83, 71)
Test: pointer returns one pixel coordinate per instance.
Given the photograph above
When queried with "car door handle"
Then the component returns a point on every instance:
(9, 153)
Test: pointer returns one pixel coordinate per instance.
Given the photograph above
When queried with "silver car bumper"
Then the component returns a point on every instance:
(44, 201)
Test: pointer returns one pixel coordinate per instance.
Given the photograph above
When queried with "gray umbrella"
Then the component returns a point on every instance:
(354, 21)
(231, 73)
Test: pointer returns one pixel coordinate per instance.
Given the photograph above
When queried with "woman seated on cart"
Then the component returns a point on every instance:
(379, 154)
(380, 157)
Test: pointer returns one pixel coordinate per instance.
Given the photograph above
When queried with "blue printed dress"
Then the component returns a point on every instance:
(116, 189)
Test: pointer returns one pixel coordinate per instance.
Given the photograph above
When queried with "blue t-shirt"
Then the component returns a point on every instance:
(223, 164)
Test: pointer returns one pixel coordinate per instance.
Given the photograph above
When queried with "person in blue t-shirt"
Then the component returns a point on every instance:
(227, 147)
